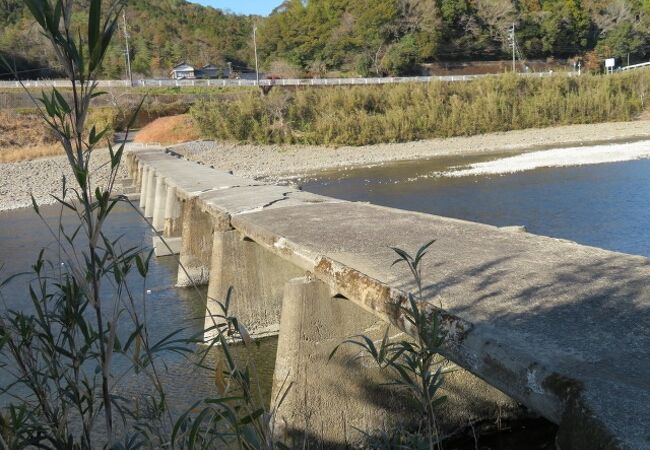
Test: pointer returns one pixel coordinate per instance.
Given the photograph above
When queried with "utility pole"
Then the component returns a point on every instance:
(128, 53)
(514, 47)
(257, 69)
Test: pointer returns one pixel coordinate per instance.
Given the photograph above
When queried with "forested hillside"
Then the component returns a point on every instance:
(355, 36)
(393, 36)
(162, 33)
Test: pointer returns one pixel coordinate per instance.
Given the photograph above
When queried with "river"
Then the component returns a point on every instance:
(602, 205)
(606, 205)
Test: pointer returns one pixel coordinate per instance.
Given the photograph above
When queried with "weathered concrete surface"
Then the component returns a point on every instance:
(325, 402)
(173, 213)
(196, 245)
(563, 328)
(166, 246)
(257, 278)
(331, 400)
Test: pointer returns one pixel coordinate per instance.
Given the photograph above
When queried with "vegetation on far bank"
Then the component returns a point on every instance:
(408, 112)
(334, 36)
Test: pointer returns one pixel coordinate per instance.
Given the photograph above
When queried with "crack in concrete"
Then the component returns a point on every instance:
(285, 196)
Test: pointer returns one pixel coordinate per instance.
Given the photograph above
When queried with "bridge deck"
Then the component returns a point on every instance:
(561, 327)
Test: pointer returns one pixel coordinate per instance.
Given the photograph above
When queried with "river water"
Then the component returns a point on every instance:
(23, 234)
(602, 205)
(606, 205)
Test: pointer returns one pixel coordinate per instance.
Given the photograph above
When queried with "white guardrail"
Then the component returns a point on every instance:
(264, 82)
(636, 66)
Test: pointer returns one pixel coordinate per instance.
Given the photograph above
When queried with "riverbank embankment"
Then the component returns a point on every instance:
(285, 161)
(42, 177)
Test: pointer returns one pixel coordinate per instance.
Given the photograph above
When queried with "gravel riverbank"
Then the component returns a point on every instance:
(43, 177)
(285, 161)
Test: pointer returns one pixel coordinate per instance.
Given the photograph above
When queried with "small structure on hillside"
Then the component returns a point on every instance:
(183, 71)
(210, 71)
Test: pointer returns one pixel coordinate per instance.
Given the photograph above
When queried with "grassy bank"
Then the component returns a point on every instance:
(402, 113)
(24, 137)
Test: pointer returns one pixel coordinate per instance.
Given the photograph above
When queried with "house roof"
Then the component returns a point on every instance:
(182, 66)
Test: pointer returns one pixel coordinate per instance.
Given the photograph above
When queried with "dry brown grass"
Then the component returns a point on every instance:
(14, 154)
(169, 130)
(25, 137)
(23, 130)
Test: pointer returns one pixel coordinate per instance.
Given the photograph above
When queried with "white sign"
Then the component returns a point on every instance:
(610, 62)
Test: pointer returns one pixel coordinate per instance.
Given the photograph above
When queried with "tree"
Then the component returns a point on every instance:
(620, 41)
(401, 57)
(565, 27)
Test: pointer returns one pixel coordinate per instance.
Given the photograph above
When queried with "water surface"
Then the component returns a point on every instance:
(166, 308)
(604, 205)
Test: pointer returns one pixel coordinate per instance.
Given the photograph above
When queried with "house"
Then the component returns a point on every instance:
(183, 71)
(210, 71)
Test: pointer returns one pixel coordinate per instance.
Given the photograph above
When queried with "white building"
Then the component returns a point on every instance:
(183, 72)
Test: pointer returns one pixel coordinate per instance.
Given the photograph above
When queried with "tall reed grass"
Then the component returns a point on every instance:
(407, 112)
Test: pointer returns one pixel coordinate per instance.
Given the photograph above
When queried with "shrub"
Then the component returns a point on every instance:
(398, 113)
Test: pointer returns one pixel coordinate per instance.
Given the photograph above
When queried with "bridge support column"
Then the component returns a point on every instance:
(164, 244)
(160, 201)
(257, 278)
(143, 186)
(131, 165)
(328, 399)
(151, 194)
(137, 175)
(196, 245)
(168, 242)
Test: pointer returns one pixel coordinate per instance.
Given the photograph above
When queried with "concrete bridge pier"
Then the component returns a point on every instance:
(198, 227)
(131, 165)
(136, 174)
(165, 205)
(168, 225)
(144, 180)
(172, 223)
(151, 194)
(257, 278)
(160, 201)
(328, 399)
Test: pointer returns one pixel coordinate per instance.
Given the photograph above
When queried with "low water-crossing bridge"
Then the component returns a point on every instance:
(560, 328)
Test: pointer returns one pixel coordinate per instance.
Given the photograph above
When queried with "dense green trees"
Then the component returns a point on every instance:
(163, 33)
(387, 37)
(392, 36)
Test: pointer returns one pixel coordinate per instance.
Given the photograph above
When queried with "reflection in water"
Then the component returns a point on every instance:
(168, 308)
(604, 205)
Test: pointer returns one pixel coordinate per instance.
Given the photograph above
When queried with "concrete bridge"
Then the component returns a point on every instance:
(560, 328)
